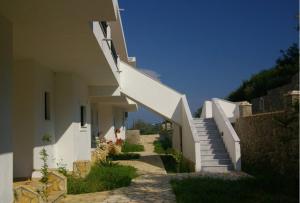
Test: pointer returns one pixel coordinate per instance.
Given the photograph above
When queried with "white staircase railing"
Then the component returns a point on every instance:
(229, 136)
(165, 101)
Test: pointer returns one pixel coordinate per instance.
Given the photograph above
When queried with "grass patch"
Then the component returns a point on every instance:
(127, 147)
(124, 156)
(204, 189)
(162, 146)
(172, 166)
(105, 176)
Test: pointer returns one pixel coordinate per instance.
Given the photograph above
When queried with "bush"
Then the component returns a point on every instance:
(175, 166)
(205, 189)
(124, 156)
(162, 146)
(127, 147)
(103, 176)
(259, 84)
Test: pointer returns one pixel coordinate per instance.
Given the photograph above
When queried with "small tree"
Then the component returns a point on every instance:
(44, 169)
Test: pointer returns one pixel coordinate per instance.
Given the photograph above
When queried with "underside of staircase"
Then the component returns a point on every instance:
(214, 157)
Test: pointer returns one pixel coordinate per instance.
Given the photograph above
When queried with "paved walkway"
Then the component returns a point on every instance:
(151, 186)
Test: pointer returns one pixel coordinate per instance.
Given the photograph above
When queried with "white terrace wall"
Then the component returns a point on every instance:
(6, 154)
(229, 136)
(206, 110)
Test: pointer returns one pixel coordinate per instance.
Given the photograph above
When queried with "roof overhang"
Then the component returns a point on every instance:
(60, 34)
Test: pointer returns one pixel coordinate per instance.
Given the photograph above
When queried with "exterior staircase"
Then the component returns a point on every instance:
(214, 157)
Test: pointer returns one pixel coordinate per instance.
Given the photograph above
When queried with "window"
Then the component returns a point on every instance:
(47, 106)
(82, 116)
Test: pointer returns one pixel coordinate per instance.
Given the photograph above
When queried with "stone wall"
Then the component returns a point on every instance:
(274, 100)
(269, 143)
(133, 136)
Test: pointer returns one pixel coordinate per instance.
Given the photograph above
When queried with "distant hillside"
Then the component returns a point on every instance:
(258, 85)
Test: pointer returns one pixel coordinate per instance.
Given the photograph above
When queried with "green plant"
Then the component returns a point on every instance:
(259, 84)
(162, 146)
(102, 177)
(106, 163)
(127, 147)
(44, 169)
(206, 189)
(61, 167)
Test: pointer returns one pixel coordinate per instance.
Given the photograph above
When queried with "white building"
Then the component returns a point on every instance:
(65, 72)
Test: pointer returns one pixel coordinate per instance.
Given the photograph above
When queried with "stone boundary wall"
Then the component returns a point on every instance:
(275, 100)
(133, 136)
(266, 145)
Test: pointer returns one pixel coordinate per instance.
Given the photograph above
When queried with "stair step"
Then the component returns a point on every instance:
(210, 147)
(209, 137)
(214, 156)
(207, 131)
(212, 142)
(216, 162)
(212, 151)
(217, 169)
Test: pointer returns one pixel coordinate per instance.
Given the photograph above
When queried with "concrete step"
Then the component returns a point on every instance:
(205, 123)
(207, 129)
(214, 156)
(207, 132)
(212, 151)
(209, 137)
(212, 147)
(212, 142)
(216, 162)
(217, 168)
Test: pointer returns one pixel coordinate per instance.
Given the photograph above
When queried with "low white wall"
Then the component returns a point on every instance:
(229, 136)
(230, 109)
(190, 143)
(6, 154)
(206, 110)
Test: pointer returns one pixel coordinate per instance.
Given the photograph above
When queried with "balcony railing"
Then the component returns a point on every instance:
(113, 52)
(104, 26)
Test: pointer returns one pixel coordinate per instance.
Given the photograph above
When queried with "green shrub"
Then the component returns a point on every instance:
(175, 166)
(162, 146)
(103, 176)
(124, 156)
(127, 147)
(205, 189)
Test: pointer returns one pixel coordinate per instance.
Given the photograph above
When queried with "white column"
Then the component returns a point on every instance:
(6, 154)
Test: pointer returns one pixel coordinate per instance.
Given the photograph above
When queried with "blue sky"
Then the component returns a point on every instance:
(206, 48)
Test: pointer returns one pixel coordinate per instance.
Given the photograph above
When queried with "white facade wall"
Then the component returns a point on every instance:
(23, 119)
(6, 153)
(111, 118)
(106, 121)
(31, 81)
(119, 122)
(73, 142)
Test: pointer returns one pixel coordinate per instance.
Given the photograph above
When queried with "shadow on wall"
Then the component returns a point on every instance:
(31, 80)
